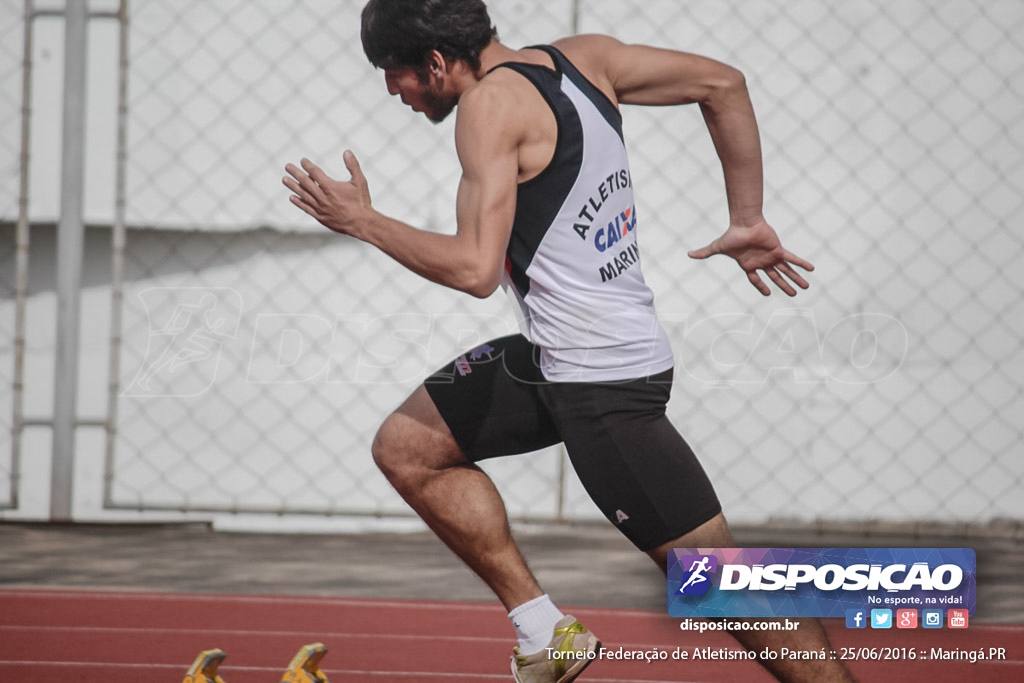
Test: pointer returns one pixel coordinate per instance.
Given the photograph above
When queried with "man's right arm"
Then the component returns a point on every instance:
(471, 260)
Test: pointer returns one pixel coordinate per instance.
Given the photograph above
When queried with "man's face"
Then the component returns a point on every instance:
(426, 97)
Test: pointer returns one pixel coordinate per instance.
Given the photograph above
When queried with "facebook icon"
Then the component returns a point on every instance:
(856, 618)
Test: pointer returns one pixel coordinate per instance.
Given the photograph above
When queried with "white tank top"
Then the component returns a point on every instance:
(573, 261)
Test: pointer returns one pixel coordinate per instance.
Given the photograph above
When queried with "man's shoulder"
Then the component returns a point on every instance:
(503, 94)
(588, 48)
(493, 93)
(592, 55)
(493, 110)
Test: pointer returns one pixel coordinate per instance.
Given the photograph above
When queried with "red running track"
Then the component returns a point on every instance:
(122, 637)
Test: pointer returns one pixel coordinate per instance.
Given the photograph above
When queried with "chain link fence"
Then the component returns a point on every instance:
(301, 342)
(258, 354)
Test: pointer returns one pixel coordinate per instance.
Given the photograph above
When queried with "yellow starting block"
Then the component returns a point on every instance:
(305, 666)
(204, 669)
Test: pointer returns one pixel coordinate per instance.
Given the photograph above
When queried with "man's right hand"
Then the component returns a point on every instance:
(340, 205)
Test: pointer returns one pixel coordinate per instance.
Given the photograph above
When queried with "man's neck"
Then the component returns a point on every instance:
(491, 56)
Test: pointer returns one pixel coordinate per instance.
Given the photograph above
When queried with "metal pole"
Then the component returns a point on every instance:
(21, 267)
(563, 459)
(70, 247)
(117, 258)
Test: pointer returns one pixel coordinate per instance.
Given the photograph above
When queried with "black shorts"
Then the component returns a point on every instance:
(634, 464)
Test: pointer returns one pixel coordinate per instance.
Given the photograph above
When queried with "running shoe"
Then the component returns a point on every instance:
(571, 650)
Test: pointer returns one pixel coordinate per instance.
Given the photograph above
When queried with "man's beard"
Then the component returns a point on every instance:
(436, 107)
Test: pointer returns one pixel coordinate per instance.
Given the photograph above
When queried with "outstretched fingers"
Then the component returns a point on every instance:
(792, 258)
(758, 283)
(794, 275)
(306, 191)
(783, 275)
(758, 252)
(314, 174)
(780, 282)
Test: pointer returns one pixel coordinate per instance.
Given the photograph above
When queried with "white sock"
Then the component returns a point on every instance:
(535, 623)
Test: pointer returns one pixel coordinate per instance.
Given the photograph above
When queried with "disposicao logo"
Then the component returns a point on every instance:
(696, 580)
(821, 582)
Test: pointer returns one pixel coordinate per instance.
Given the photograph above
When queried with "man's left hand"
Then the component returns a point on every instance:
(757, 248)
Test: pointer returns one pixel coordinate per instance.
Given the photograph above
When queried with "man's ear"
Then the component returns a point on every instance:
(437, 64)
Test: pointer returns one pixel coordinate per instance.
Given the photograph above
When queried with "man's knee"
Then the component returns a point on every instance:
(414, 440)
(387, 449)
(714, 533)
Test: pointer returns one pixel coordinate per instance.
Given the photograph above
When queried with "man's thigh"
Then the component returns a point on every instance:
(636, 467)
(489, 398)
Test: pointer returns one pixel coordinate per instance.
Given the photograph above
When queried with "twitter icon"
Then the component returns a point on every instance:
(881, 618)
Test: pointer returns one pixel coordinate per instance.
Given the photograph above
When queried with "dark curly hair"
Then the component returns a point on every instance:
(398, 33)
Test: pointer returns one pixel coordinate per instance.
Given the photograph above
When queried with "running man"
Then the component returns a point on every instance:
(697, 571)
(192, 337)
(545, 209)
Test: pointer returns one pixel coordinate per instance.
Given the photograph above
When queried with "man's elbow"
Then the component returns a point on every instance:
(728, 81)
(480, 282)
(725, 92)
(481, 288)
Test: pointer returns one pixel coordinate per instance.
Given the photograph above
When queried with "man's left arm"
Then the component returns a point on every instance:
(651, 76)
